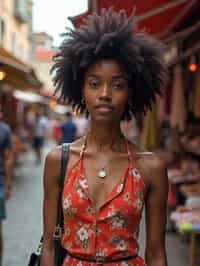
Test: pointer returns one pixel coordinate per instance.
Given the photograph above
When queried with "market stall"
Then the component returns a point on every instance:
(173, 126)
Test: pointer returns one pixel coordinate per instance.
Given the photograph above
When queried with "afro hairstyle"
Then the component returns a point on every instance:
(110, 35)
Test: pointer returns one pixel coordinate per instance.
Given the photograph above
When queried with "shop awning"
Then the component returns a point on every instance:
(158, 17)
(51, 95)
(29, 97)
(44, 54)
(18, 74)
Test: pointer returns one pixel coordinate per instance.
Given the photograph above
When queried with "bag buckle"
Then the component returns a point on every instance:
(99, 260)
(39, 250)
(57, 233)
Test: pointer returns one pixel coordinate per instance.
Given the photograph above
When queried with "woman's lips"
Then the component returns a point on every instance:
(104, 109)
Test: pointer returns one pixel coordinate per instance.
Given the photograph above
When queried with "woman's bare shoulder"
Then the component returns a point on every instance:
(155, 169)
(76, 146)
(151, 159)
(52, 161)
(75, 152)
(55, 154)
(53, 158)
(152, 164)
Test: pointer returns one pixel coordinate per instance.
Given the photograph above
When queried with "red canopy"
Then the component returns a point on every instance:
(158, 17)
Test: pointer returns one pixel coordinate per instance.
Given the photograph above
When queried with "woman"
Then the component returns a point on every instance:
(108, 71)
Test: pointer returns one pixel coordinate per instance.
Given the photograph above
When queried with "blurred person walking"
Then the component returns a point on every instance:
(56, 130)
(6, 168)
(68, 129)
(82, 125)
(39, 136)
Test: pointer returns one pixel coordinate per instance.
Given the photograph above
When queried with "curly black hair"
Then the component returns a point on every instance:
(111, 35)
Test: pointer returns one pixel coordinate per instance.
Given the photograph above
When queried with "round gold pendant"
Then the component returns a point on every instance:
(102, 173)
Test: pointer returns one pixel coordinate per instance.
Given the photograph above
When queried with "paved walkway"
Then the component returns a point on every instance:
(23, 226)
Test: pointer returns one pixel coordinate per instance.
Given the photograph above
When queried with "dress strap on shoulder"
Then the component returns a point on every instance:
(144, 153)
(130, 156)
(83, 148)
(135, 155)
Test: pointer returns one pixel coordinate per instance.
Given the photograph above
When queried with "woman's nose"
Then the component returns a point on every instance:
(105, 92)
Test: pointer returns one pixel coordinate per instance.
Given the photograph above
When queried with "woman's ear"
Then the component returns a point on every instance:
(83, 101)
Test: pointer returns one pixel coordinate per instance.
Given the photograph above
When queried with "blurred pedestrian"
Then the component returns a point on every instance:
(6, 169)
(56, 130)
(108, 71)
(68, 129)
(82, 125)
(130, 130)
(40, 132)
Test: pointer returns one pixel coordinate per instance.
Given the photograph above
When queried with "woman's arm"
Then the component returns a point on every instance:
(50, 204)
(156, 204)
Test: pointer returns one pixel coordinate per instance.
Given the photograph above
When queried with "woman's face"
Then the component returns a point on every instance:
(105, 91)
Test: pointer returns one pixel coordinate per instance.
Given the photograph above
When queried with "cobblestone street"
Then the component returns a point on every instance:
(23, 226)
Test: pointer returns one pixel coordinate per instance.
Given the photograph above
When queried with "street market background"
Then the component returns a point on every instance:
(29, 37)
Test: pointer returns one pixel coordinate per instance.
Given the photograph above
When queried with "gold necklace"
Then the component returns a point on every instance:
(102, 172)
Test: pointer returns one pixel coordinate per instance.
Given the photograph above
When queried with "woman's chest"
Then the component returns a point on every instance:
(102, 180)
(126, 195)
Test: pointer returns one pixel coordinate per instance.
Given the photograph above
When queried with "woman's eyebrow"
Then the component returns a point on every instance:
(113, 77)
(93, 75)
(119, 77)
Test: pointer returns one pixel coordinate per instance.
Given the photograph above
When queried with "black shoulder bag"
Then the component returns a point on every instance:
(59, 251)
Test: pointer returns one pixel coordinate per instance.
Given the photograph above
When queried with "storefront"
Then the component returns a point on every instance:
(15, 75)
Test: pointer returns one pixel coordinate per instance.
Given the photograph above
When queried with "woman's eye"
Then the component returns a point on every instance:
(119, 86)
(93, 84)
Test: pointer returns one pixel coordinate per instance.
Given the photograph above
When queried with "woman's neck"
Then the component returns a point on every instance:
(105, 137)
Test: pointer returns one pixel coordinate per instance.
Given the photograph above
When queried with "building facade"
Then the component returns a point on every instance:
(16, 70)
(16, 28)
(43, 52)
(42, 58)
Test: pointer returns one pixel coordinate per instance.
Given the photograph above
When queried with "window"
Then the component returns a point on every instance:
(3, 4)
(13, 43)
(2, 30)
(20, 10)
(20, 51)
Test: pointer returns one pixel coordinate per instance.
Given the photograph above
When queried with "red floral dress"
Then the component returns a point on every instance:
(110, 233)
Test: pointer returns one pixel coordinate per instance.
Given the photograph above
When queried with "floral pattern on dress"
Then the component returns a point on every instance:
(120, 187)
(83, 237)
(69, 261)
(119, 243)
(79, 187)
(136, 174)
(66, 203)
(113, 230)
(89, 210)
(127, 197)
(118, 221)
(67, 231)
(70, 213)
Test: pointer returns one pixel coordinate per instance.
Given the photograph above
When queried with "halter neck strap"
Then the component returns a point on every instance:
(129, 153)
(84, 145)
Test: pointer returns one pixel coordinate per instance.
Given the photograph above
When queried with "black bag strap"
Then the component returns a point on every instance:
(64, 160)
